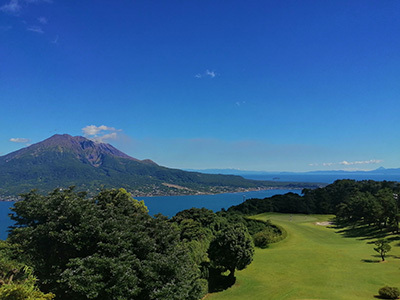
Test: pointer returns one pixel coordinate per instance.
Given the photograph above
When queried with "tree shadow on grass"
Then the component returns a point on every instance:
(364, 232)
(394, 238)
(218, 282)
(380, 297)
(371, 260)
(378, 258)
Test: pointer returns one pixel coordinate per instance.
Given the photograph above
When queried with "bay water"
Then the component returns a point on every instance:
(169, 205)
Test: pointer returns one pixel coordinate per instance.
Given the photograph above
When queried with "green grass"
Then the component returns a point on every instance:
(314, 262)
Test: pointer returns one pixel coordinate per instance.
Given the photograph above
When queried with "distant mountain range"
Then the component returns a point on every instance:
(378, 171)
(63, 160)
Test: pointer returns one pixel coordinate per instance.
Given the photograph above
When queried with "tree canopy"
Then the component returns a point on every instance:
(382, 247)
(232, 249)
(106, 247)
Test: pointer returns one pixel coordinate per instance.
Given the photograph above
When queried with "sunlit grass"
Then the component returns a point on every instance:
(314, 262)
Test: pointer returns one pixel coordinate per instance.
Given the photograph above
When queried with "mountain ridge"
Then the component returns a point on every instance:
(64, 160)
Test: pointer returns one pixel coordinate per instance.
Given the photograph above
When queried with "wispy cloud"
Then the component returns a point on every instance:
(36, 29)
(240, 103)
(347, 163)
(13, 7)
(361, 162)
(20, 140)
(101, 133)
(206, 73)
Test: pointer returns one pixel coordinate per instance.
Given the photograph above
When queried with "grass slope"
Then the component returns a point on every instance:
(314, 262)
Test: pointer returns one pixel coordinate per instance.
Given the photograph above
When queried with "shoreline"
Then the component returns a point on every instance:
(178, 194)
(221, 193)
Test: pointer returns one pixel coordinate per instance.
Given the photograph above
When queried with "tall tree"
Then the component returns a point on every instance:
(232, 249)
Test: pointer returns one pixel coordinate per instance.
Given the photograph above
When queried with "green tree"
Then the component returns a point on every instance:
(232, 249)
(389, 207)
(17, 281)
(382, 247)
(106, 247)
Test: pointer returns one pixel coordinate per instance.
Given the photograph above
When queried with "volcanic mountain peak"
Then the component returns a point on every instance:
(81, 147)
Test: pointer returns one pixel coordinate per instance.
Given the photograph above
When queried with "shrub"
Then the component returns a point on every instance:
(388, 292)
(269, 235)
(263, 238)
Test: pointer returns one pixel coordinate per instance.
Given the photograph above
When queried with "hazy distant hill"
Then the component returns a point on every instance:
(378, 171)
(63, 160)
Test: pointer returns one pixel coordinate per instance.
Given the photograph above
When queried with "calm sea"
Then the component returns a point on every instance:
(323, 178)
(169, 205)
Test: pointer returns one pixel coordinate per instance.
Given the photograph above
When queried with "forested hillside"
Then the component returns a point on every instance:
(62, 161)
(367, 202)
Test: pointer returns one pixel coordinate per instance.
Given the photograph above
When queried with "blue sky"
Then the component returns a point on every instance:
(252, 85)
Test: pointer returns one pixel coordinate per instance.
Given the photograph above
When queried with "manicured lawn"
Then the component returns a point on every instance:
(314, 262)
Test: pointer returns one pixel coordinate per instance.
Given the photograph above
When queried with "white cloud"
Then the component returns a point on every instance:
(212, 74)
(12, 7)
(206, 73)
(104, 138)
(348, 163)
(362, 162)
(93, 129)
(20, 140)
(36, 29)
(101, 133)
